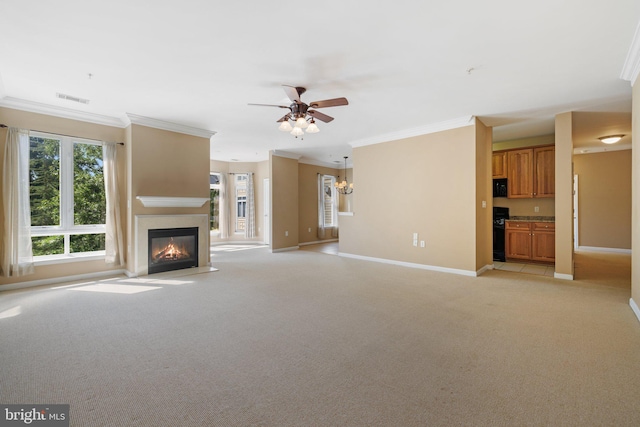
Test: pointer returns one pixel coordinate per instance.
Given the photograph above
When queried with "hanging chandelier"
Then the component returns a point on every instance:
(344, 187)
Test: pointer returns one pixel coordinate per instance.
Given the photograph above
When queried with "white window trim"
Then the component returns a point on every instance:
(334, 201)
(240, 182)
(215, 187)
(67, 226)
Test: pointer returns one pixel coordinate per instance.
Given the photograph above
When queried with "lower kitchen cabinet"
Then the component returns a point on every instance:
(530, 241)
(543, 241)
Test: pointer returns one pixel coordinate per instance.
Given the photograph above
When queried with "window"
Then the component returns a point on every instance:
(214, 206)
(241, 202)
(329, 201)
(67, 196)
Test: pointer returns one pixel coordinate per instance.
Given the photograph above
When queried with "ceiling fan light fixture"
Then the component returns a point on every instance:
(297, 131)
(301, 123)
(610, 139)
(313, 128)
(285, 126)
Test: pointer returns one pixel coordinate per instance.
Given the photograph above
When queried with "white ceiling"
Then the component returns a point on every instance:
(401, 64)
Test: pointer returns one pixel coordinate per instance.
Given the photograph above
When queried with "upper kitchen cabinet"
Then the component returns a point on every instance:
(544, 184)
(499, 165)
(531, 172)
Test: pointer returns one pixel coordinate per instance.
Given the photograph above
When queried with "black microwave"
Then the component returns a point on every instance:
(500, 187)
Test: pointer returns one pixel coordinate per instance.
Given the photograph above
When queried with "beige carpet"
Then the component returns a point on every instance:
(308, 339)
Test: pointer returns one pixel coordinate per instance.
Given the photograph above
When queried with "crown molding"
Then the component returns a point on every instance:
(631, 67)
(286, 154)
(316, 162)
(591, 150)
(172, 127)
(417, 131)
(65, 113)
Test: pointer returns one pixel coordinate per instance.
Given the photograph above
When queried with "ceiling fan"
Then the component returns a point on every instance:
(303, 115)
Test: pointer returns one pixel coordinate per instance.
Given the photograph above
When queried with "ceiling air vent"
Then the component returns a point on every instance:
(72, 98)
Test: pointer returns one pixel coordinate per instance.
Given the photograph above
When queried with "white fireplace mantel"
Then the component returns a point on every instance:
(172, 202)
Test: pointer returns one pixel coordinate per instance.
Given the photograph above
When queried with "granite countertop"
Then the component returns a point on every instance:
(533, 218)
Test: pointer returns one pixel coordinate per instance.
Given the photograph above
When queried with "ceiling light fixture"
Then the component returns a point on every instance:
(285, 126)
(610, 139)
(344, 187)
(313, 128)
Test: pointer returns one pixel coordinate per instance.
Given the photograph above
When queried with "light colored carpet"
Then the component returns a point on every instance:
(308, 339)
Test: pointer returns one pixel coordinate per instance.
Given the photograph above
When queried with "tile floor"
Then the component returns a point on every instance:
(540, 269)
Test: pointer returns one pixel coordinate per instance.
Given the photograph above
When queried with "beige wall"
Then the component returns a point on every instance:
(425, 185)
(57, 125)
(635, 207)
(284, 202)
(308, 200)
(533, 141)
(484, 194)
(564, 196)
(164, 163)
(604, 199)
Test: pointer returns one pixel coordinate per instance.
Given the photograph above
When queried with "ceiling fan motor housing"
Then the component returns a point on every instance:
(299, 110)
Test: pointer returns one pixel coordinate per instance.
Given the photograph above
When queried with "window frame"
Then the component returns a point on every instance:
(214, 187)
(240, 184)
(334, 201)
(67, 226)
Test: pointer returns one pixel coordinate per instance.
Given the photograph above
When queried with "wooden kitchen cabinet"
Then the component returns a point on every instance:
(530, 241)
(531, 172)
(499, 165)
(543, 241)
(544, 159)
(517, 240)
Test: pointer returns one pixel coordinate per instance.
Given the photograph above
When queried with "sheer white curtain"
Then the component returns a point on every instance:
(250, 227)
(225, 212)
(320, 207)
(17, 254)
(114, 252)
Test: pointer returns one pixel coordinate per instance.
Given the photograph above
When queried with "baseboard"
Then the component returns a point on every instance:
(563, 276)
(413, 265)
(292, 248)
(317, 242)
(606, 250)
(635, 308)
(484, 269)
(58, 280)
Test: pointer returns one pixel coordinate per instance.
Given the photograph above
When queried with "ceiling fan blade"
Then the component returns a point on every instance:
(270, 105)
(283, 118)
(318, 115)
(293, 92)
(335, 102)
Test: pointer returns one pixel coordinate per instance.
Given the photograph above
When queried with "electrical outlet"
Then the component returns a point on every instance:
(286, 234)
(309, 229)
(422, 243)
(536, 209)
(484, 203)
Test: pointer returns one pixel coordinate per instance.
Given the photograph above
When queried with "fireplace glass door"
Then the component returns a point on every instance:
(173, 249)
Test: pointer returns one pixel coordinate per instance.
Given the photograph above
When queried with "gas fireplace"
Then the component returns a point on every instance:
(172, 249)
